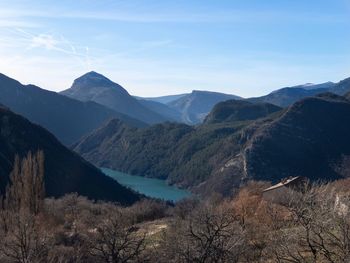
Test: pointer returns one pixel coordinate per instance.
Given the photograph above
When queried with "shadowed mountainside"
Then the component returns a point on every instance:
(65, 171)
(66, 118)
(239, 110)
(163, 109)
(163, 99)
(310, 139)
(347, 95)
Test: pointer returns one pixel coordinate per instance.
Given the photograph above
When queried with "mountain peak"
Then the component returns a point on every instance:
(93, 78)
(93, 74)
(93, 82)
(95, 87)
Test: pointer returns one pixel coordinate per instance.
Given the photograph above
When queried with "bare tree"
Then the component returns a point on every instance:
(25, 241)
(209, 234)
(317, 230)
(115, 239)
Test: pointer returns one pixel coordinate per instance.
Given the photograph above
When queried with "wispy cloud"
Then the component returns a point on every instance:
(24, 40)
(39, 43)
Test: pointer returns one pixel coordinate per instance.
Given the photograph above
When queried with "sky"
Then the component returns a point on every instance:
(154, 48)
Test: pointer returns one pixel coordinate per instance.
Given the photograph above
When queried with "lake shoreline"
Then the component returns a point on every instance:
(151, 187)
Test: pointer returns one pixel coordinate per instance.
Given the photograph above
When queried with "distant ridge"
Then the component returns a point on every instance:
(66, 118)
(195, 106)
(341, 87)
(286, 96)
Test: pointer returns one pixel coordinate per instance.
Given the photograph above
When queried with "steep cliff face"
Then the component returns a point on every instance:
(309, 139)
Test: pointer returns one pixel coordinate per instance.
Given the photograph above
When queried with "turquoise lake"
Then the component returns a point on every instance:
(148, 186)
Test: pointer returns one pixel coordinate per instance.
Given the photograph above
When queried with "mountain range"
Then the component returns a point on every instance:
(309, 138)
(194, 107)
(202, 141)
(94, 99)
(66, 118)
(286, 96)
(65, 171)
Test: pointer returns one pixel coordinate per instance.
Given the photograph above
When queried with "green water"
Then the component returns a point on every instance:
(148, 186)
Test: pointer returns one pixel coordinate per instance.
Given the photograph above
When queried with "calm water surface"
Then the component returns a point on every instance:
(148, 186)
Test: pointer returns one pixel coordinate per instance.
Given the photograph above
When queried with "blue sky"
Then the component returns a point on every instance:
(247, 48)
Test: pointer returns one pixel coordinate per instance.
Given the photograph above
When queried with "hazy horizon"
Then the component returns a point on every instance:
(157, 48)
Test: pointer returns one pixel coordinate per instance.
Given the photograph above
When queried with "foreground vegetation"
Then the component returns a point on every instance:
(314, 226)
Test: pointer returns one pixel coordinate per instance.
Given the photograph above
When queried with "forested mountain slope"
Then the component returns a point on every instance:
(65, 171)
(310, 139)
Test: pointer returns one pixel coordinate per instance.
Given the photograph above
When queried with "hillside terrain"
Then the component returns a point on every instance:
(239, 110)
(65, 171)
(310, 139)
(195, 106)
(95, 87)
(182, 154)
(66, 118)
